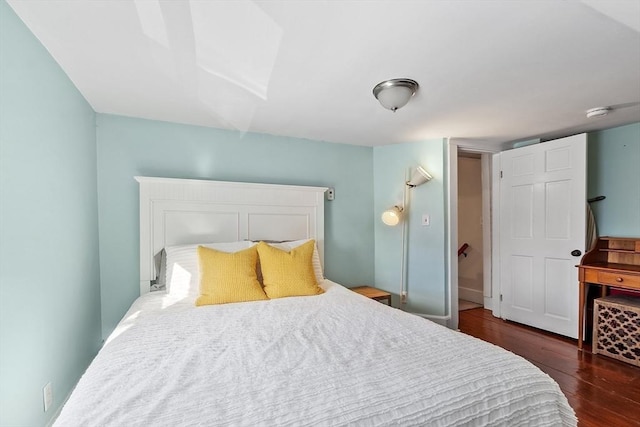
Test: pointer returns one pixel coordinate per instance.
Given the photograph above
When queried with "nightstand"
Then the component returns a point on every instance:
(373, 293)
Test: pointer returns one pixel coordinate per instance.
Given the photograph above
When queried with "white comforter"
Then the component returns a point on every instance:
(333, 359)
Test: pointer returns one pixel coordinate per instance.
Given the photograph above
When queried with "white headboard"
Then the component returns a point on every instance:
(183, 211)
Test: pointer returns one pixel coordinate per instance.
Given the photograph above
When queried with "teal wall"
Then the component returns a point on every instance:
(614, 172)
(129, 147)
(426, 253)
(49, 275)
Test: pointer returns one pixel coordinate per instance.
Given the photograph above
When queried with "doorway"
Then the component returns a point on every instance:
(454, 150)
(470, 236)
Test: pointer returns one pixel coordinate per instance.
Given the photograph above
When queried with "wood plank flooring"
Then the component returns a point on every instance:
(602, 391)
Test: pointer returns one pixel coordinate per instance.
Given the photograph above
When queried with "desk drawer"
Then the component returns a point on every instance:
(619, 279)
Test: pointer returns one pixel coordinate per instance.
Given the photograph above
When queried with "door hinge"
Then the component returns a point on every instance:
(500, 297)
(501, 174)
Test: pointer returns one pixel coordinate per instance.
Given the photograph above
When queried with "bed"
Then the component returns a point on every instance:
(333, 358)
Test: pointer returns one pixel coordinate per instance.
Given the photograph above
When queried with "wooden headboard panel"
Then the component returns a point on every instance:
(183, 211)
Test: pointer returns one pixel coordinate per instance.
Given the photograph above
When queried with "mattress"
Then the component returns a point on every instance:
(333, 359)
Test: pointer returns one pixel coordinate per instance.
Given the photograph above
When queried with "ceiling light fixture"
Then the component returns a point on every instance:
(598, 111)
(395, 93)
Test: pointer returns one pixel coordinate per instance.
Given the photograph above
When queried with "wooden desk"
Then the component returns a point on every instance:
(373, 293)
(614, 262)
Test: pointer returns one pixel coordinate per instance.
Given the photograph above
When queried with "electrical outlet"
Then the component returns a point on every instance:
(331, 193)
(425, 219)
(47, 396)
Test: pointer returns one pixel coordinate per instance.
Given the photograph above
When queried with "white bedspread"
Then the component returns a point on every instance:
(333, 359)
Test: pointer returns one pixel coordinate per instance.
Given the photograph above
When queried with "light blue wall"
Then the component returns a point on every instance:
(614, 172)
(129, 147)
(49, 275)
(50, 307)
(426, 244)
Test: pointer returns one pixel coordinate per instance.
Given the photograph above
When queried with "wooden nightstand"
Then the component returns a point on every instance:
(373, 293)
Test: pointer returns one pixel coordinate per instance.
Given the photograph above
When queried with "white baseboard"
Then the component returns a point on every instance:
(442, 320)
(469, 294)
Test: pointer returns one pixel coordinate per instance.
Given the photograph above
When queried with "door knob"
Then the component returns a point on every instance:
(576, 252)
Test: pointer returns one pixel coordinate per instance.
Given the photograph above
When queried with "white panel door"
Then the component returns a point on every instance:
(542, 220)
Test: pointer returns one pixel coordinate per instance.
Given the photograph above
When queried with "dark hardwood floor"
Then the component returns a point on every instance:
(603, 392)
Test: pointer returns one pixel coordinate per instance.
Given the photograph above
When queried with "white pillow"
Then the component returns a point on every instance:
(182, 277)
(315, 259)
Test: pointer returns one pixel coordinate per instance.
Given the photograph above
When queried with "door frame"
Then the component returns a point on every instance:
(491, 258)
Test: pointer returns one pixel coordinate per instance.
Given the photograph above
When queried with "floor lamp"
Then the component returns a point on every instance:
(395, 214)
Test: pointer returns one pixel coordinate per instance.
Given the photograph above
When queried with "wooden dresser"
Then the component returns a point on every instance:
(614, 262)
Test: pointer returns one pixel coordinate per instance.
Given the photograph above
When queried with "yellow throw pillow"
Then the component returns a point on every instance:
(228, 277)
(288, 274)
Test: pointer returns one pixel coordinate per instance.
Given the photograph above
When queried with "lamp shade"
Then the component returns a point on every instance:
(392, 216)
(395, 93)
(419, 177)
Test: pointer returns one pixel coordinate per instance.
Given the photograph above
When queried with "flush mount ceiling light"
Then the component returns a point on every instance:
(395, 93)
(598, 112)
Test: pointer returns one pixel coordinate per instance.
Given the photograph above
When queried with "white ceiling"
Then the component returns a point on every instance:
(490, 72)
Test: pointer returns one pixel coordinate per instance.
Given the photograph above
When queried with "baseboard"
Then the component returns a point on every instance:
(442, 320)
(469, 294)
